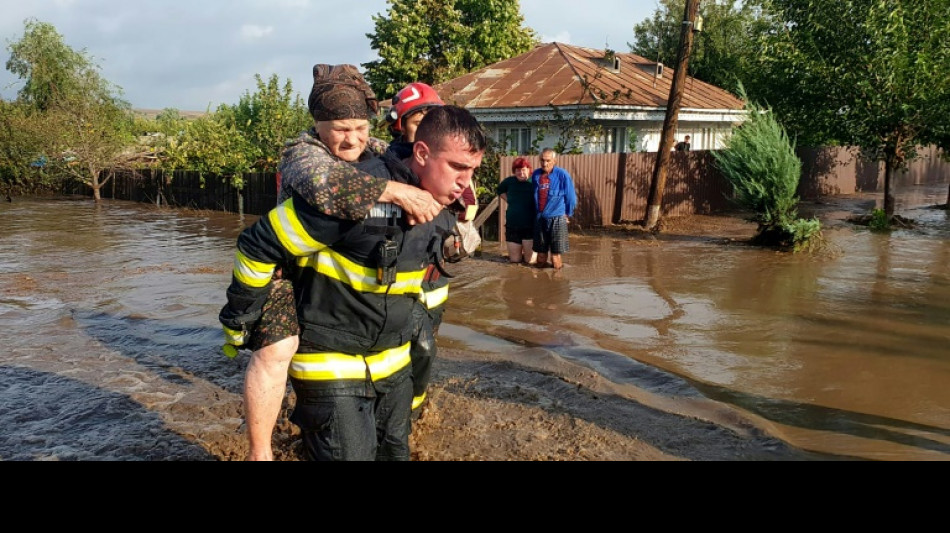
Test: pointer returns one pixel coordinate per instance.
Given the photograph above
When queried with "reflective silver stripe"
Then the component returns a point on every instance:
(237, 338)
(290, 231)
(252, 273)
(435, 298)
(333, 366)
(363, 279)
(385, 210)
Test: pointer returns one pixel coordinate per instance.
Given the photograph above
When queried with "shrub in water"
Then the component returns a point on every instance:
(760, 163)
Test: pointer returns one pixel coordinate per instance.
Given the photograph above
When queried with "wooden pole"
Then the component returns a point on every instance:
(655, 200)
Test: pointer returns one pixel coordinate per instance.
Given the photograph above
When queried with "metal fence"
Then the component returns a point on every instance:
(614, 188)
(194, 190)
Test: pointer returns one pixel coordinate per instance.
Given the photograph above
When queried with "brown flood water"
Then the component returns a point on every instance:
(109, 320)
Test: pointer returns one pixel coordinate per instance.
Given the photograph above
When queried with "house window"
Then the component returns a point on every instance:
(615, 141)
(516, 140)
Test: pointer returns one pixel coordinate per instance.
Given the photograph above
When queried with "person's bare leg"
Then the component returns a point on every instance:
(527, 247)
(514, 252)
(265, 384)
(556, 261)
(542, 259)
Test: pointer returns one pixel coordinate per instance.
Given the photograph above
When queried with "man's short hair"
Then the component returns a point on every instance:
(451, 121)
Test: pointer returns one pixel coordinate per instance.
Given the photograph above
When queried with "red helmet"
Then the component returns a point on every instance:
(409, 99)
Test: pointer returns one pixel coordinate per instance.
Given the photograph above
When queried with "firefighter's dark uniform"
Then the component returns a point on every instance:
(357, 284)
(427, 315)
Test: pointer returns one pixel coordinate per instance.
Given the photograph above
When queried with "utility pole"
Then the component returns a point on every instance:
(655, 200)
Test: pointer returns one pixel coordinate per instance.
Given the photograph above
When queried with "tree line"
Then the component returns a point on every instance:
(867, 73)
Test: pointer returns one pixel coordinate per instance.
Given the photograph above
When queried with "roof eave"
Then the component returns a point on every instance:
(606, 112)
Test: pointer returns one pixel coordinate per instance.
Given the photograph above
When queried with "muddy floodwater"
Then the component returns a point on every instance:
(108, 316)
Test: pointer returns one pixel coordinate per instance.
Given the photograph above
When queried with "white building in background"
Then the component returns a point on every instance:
(605, 102)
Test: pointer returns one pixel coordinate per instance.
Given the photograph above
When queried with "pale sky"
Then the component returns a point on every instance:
(196, 54)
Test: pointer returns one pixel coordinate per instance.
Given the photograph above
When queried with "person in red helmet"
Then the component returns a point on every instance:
(408, 107)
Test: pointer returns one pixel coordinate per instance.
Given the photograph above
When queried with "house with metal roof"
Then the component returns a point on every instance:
(589, 101)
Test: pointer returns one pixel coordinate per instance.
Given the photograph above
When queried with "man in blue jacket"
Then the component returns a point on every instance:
(555, 198)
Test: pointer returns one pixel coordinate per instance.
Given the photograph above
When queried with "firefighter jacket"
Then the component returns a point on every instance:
(355, 284)
(435, 285)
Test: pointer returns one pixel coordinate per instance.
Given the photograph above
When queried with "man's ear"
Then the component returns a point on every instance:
(421, 152)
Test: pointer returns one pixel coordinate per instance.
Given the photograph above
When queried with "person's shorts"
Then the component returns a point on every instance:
(516, 235)
(278, 317)
(550, 235)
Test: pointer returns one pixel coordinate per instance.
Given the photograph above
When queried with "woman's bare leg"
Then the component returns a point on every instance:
(265, 384)
(528, 251)
(514, 252)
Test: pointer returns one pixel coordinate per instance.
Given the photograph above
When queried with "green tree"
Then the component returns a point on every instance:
(22, 160)
(46, 63)
(93, 133)
(494, 31)
(153, 135)
(433, 41)
(721, 54)
(89, 124)
(760, 163)
(268, 119)
(209, 145)
(869, 73)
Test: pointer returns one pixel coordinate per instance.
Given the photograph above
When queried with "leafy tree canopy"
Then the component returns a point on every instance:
(88, 123)
(267, 118)
(873, 73)
(722, 52)
(51, 69)
(433, 41)
(22, 161)
(869, 73)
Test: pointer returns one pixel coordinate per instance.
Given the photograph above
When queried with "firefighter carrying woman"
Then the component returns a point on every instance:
(344, 241)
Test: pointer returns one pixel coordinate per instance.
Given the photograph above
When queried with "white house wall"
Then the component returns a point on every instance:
(708, 128)
(703, 136)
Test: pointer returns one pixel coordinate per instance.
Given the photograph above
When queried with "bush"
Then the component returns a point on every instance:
(760, 163)
(802, 235)
(879, 221)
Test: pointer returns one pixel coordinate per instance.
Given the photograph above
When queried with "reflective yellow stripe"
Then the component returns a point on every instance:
(237, 338)
(252, 273)
(435, 298)
(363, 279)
(290, 231)
(333, 366)
(417, 401)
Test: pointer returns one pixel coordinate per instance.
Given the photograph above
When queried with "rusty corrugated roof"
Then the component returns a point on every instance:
(561, 75)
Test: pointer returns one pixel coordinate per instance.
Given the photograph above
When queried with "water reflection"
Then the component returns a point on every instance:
(845, 352)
